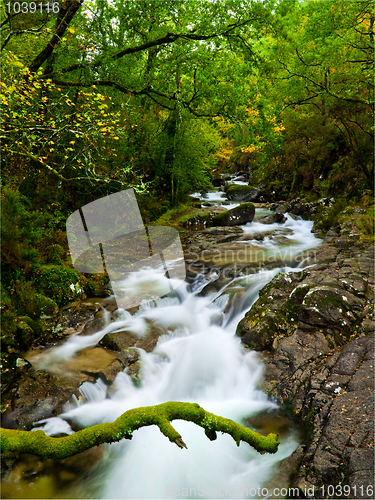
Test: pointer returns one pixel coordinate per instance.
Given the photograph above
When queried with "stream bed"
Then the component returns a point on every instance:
(198, 358)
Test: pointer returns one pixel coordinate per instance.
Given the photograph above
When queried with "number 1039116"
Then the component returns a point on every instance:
(32, 7)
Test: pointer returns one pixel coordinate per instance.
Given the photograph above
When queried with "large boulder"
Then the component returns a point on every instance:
(239, 215)
(245, 193)
(272, 219)
(218, 182)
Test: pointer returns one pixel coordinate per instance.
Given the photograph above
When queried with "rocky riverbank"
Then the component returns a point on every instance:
(316, 327)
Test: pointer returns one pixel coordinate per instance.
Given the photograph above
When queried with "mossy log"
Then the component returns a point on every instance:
(38, 443)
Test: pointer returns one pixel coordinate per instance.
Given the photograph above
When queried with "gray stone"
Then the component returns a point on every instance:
(272, 219)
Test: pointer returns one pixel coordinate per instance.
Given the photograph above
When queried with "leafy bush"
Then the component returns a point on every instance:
(32, 303)
(57, 282)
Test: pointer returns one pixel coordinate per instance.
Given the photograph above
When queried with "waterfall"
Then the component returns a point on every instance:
(198, 358)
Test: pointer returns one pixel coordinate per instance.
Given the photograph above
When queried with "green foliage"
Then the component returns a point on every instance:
(33, 303)
(54, 253)
(365, 224)
(57, 282)
(309, 127)
(35, 281)
(157, 96)
(352, 219)
(21, 230)
(329, 217)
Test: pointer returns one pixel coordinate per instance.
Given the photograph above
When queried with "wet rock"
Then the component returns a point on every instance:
(239, 215)
(327, 306)
(123, 360)
(41, 396)
(13, 366)
(218, 182)
(119, 341)
(221, 230)
(243, 193)
(149, 341)
(315, 325)
(272, 219)
(73, 317)
(295, 217)
(93, 326)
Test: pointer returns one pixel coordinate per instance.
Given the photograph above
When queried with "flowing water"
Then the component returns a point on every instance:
(198, 358)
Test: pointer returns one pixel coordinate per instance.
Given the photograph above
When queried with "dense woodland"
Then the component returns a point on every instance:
(163, 96)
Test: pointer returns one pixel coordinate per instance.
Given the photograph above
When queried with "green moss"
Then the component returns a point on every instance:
(171, 217)
(195, 218)
(54, 254)
(37, 443)
(25, 335)
(32, 303)
(93, 289)
(349, 217)
(241, 188)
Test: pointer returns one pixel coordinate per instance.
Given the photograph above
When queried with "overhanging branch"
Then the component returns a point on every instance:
(37, 443)
(165, 40)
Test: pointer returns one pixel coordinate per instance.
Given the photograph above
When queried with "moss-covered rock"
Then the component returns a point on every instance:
(273, 315)
(195, 219)
(54, 254)
(32, 303)
(25, 335)
(239, 215)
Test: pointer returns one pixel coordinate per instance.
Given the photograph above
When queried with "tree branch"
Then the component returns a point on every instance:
(21, 32)
(167, 39)
(65, 16)
(37, 443)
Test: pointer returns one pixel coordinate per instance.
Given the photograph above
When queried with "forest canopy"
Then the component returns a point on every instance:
(154, 95)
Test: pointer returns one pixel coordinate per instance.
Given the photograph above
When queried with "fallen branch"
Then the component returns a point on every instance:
(38, 443)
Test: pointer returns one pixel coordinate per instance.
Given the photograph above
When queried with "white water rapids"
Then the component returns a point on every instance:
(197, 359)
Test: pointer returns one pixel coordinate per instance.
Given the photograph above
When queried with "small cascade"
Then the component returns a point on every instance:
(198, 358)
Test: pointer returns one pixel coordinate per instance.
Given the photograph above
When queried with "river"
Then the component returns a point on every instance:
(198, 358)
